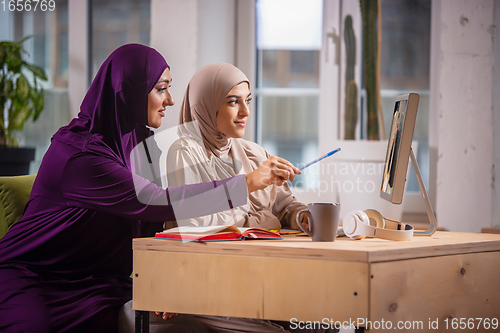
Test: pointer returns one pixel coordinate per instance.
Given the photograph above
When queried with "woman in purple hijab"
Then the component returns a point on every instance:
(65, 265)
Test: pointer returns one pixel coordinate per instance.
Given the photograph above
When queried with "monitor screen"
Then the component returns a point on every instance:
(398, 148)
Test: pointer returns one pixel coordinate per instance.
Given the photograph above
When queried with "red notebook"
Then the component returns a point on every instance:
(216, 233)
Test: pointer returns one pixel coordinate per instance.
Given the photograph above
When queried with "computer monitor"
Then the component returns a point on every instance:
(399, 148)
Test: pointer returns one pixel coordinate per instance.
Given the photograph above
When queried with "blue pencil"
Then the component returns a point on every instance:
(320, 158)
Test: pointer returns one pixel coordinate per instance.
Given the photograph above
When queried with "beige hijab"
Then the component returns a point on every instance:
(204, 96)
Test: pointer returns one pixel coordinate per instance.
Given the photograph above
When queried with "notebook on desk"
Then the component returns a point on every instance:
(216, 233)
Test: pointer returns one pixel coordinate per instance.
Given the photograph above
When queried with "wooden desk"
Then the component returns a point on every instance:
(448, 275)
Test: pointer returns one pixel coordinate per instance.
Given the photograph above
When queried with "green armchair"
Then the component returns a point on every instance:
(14, 194)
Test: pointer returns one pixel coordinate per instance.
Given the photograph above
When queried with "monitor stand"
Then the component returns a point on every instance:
(428, 207)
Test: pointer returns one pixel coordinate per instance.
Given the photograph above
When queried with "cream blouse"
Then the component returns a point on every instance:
(272, 208)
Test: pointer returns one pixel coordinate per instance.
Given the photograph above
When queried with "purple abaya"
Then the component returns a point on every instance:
(65, 265)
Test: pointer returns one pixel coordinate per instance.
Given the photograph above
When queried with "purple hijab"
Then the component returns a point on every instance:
(65, 265)
(114, 109)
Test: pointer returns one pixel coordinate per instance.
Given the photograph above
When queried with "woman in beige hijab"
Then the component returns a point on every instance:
(212, 123)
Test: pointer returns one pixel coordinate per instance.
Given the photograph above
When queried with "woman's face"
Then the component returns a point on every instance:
(233, 114)
(159, 98)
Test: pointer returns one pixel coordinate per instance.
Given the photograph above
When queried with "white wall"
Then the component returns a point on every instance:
(216, 38)
(190, 34)
(496, 121)
(462, 101)
(245, 55)
(174, 33)
(77, 54)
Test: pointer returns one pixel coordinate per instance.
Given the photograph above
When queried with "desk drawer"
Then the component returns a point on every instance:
(437, 288)
(247, 286)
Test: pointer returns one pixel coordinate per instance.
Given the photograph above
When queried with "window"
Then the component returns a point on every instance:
(301, 90)
(48, 49)
(288, 68)
(49, 46)
(115, 23)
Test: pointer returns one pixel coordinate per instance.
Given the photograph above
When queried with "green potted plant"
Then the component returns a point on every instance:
(351, 96)
(372, 35)
(371, 40)
(20, 99)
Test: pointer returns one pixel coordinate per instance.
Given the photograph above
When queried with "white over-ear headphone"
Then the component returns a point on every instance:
(370, 223)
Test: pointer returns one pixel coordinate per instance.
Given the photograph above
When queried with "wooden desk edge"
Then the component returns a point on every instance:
(368, 250)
